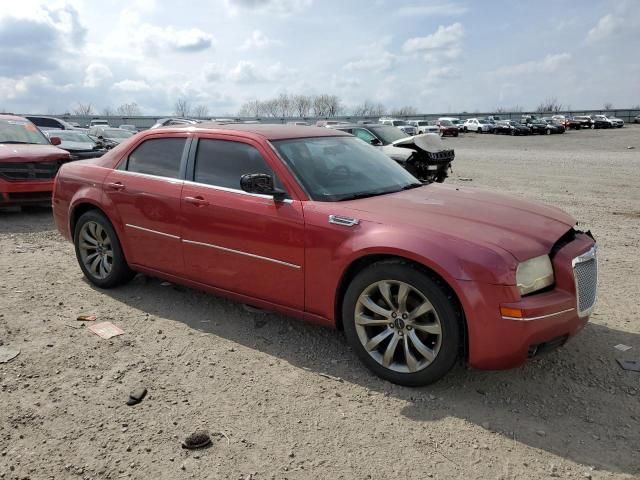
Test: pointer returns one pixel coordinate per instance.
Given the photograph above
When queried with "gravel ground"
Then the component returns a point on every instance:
(283, 399)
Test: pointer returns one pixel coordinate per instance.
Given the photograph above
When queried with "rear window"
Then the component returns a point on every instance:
(160, 157)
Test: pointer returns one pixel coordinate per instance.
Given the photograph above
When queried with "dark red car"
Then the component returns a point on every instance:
(448, 128)
(315, 223)
(28, 162)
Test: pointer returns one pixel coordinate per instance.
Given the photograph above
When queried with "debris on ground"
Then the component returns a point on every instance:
(631, 365)
(251, 309)
(465, 179)
(331, 377)
(8, 353)
(622, 347)
(200, 439)
(630, 147)
(166, 284)
(86, 318)
(105, 330)
(136, 396)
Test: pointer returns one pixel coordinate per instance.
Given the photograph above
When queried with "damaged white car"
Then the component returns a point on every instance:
(424, 156)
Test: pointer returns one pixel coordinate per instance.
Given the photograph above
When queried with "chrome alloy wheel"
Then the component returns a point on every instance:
(96, 251)
(398, 326)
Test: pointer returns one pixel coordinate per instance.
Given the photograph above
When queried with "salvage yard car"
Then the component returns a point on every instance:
(448, 129)
(511, 127)
(314, 223)
(424, 156)
(80, 145)
(109, 137)
(424, 126)
(478, 125)
(28, 162)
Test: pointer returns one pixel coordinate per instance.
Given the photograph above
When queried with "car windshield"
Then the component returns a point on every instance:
(70, 136)
(115, 133)
(333, 169)
(422, 123)
(388, 134)
(397, 123)
(446, 123)
(455, 122)
(20, 131)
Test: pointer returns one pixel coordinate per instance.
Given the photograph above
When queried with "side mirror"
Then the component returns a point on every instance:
(55, 141)
(100, 137)
(375, 142)
(262, 184)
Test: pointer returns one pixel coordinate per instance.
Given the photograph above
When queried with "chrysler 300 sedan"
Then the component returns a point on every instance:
(314, 223)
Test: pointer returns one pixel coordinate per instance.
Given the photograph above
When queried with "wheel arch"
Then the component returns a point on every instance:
(81, 208)
(362, 262)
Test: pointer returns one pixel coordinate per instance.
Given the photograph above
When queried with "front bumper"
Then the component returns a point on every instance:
(25, 192)
(550, 318)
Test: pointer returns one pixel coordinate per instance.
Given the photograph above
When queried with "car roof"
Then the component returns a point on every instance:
(13, 117)
(267, 131)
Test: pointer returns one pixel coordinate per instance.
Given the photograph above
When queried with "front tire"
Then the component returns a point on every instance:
(99, 252)
(402, 324)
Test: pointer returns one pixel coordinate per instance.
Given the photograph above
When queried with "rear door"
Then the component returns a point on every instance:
(145, 190)
(237, 241)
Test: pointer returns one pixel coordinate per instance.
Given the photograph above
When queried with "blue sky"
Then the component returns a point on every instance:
(437, 56)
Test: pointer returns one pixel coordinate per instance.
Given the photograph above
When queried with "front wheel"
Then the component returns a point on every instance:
(99, 252)
(548, 132)
(401, 323)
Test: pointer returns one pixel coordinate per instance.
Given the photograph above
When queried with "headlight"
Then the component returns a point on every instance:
(534, 274)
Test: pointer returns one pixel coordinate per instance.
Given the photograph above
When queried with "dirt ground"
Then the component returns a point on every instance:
(284, 399)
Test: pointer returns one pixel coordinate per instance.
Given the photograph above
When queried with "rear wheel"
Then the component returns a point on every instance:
(401, 323)
(99, 252)
(548, 132)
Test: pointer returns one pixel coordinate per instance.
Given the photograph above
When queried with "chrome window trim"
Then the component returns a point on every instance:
(154, 177)
(528, 319)
(234, 190)
(152, 231)
(240, 252)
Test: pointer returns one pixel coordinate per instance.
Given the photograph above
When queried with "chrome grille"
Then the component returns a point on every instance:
(585, 272)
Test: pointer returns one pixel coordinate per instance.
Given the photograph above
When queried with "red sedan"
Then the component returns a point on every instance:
(28, 162)
(315, 223)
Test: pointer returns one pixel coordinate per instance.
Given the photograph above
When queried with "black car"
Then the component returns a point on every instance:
(511, 127)
(424, 156)
(49, 123)
(573, 124)
(77, 143)
(593, 121)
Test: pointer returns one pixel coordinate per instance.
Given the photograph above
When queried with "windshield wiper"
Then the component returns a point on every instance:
(411, 186)
(13, 141)
(355, 196)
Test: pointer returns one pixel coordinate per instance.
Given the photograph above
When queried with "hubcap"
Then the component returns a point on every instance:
(398, 326)
(95, 249)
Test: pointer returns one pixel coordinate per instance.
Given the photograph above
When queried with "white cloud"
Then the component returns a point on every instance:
(212, 72)
(278, 7)
(605, 27)
(246, 72)
(258, 41)
(154, 38)
(131, 86)
(434, 9)
(96, 74)
(378, 62)
(444, 38)
(549, 64)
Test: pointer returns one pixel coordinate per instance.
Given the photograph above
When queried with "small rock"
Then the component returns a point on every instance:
(541, 433)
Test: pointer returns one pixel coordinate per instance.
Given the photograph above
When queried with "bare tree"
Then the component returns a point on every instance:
(550, 105)
(250, 108)
(83, 109)
(404, 111)
(108, 112)
(129, 110)
(200, 111)
(182, 108)
(608, 106)
(285, 107)
(301, 105)
(325, 105)
(270, 108)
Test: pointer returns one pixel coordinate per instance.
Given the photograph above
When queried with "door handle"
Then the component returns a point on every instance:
(197, 201)
(116, 186)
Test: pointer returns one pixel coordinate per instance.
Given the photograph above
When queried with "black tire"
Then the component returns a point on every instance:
(479, 130)
(456, 134)
(513, 132)
(548, 131)
(443, 304)
(120, 272)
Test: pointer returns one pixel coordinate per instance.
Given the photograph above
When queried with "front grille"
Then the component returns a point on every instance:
(585, 272)
(29, 170)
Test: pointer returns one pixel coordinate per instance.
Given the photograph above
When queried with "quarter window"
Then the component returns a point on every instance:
(221, 163)
(363, 135)
(160, 157)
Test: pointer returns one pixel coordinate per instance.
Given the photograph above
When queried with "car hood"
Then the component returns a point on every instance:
(11, 152)
(77, 145)
(523, 228)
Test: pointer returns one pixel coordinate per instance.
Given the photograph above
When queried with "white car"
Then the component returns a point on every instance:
(98, 123)
(478, 125)
(456, 121)
(401, 124)
(613, 121)
(424, 126)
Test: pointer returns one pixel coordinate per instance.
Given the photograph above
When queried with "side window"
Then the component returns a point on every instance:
(363, 134)
(160, 157)
(221, 163)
